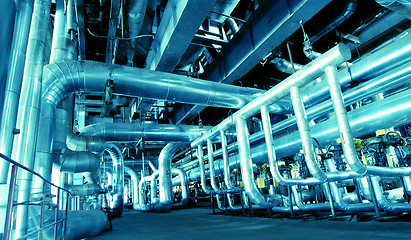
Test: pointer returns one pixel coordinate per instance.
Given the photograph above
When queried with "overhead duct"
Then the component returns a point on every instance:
(136, 10)
(148, 131)
(402, 7)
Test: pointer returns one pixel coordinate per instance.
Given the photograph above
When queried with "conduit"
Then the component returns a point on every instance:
(402, 7)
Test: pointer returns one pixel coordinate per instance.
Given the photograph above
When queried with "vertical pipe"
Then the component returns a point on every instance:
(210, 152)
(14, 81)
(247, 172)
(306, 139)
(29, 107)
(347, 140)
(200, 156)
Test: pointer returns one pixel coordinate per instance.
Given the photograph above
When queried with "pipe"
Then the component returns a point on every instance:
(14, 81)
(142, 204)
(136, 10)
(392, 111)
(134, 180)
(347, 140)
(402, 7)
(227, 179)
(77, 162)
(85, 224)
(183, 182)
(153, 188)
(368, 67)
(347, 12)
(28, 111)
(84, 189)
(204, 186)
(246, 163)
(151, 164)
(71, 76)
(285, 66)
(148, 131)
(232, 24)
(306, 139)
(309, 72)
(118, 179)
(164, 166)
(213, 180)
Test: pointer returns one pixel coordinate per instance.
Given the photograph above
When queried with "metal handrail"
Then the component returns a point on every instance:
(11, 204)
(32, 172)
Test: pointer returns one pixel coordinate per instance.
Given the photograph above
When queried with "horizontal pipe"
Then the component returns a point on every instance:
(148, 131)
(63, 78)
(84, 189)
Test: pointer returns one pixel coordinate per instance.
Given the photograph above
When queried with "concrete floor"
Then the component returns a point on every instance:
(199, 223)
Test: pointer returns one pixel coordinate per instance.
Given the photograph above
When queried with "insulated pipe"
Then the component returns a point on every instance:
(85, 224)
(134, 180)
(204, 186)
(77, 162)
(306, 74)
(368, 67)
(338, 199)
(84, 189)
(402, 7)
(66, 77)
(305, 134)
(118, 179)
(213, 180)
(232, 24)
(14, 81)
(307, 207)
(164, 166)
(392, 111)
(183, 182)
(148, 131)
(347, 139)
(227, 179)
(153, 187)
(29, 108)
(246, 163)
(142, 204)
(348, 11)
(285, 66)
(383, 203)
(136, 10)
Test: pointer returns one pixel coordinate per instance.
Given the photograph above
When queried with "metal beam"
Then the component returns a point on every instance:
(112, 29)
(177, 28)
(265, 30)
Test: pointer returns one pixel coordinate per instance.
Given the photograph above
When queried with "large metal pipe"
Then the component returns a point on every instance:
(118, 178)
(84, 189)
(148, 131)
(183, 182)
(392, 111)
(164, 166)
(29, 107)
(134, 181)
(14, 81)
(383, 203)
(71, 76)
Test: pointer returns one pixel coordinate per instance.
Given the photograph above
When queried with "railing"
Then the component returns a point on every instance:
(43, 201)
